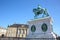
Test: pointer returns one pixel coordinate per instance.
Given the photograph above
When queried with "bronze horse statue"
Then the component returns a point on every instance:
(39, 11)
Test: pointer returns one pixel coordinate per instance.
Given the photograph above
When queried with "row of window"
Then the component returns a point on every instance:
(22, 31)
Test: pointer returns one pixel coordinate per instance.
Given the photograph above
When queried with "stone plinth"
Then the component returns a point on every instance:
(39, 33)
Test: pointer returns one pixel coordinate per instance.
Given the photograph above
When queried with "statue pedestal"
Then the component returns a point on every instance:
(39, 32)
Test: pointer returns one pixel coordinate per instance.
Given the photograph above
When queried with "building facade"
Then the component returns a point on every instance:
(17, 30)
(2, 31)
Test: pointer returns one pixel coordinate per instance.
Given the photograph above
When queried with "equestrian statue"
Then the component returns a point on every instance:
(37, 11)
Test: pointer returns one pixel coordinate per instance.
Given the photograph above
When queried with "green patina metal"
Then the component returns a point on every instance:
(33, 28)
(37, 11)
(44, 27)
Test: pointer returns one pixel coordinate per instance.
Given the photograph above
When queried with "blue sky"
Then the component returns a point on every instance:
(20, 11)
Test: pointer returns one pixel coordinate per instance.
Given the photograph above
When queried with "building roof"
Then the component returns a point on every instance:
(18, 25)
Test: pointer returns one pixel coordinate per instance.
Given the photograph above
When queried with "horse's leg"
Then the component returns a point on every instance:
(46, 13)
(43, 13)
(35, 17)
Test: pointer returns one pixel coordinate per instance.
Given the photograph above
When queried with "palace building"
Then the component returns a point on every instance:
(17, 30)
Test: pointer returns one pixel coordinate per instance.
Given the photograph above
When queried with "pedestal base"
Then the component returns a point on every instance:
(39, 33)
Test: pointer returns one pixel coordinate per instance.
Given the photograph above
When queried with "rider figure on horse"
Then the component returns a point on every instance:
(39, 11)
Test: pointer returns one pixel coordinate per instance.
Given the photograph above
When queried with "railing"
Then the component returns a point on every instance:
(17, 38)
